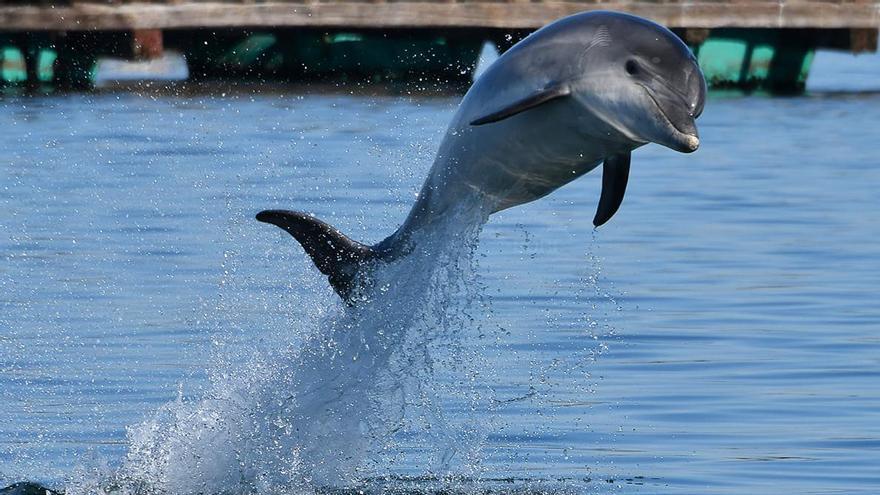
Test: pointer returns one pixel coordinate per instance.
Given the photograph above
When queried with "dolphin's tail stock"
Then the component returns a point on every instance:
(335, 255)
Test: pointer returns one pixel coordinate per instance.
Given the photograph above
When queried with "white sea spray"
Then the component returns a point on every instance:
(311, 412)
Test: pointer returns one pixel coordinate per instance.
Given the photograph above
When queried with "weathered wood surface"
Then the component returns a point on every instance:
(513, 14)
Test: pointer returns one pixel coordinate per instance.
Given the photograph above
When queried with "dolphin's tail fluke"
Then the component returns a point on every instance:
(337, 256)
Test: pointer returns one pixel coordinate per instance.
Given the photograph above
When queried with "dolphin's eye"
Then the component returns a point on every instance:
(632, 68)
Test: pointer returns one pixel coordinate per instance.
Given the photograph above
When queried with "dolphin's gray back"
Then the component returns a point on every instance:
(552, 54)
(535, 140)
(494, 160)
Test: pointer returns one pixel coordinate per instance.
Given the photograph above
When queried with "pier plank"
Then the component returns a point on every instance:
(514, 14)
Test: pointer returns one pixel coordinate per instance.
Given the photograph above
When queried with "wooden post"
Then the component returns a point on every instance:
(863, 40)
(693, 36)
(147, 43)
(30, 51)
(30, 45)
(76, 59)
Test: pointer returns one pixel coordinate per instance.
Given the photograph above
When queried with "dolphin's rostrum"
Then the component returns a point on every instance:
(584, 90)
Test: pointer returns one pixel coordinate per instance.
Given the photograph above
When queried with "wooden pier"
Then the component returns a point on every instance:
(514, 14)
(76, 32)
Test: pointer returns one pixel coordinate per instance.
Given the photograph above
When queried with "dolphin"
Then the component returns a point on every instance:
(584, 90)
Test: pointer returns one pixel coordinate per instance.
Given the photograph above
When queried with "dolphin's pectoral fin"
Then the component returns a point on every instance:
(335, 255)
(550, 92)
(615, 173)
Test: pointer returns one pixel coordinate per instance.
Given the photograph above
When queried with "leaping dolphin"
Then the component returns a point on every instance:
(584, 90)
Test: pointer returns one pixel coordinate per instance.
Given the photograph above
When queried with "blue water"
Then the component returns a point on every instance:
(720, 335)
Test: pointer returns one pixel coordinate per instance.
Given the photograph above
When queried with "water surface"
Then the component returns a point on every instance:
(720, 335)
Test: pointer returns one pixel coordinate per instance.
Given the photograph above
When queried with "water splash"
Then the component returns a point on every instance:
(309, 414)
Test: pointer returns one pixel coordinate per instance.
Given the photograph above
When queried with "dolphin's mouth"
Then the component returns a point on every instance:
(682, 132)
